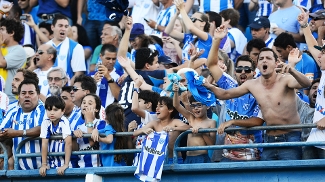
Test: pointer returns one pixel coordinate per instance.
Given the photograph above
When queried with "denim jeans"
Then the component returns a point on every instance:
(282, 153)
(94, 31)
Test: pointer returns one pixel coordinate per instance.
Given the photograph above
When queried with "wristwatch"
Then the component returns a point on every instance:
(110, 80)
(24, 133)
(90, 125)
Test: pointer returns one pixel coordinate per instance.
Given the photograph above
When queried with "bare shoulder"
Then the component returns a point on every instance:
(177, 122)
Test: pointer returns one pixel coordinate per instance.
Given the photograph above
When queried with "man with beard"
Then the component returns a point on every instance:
(70, 54)
(20, 76)
(25, 121)
(57, 78)
(42, 63)
(242, 107)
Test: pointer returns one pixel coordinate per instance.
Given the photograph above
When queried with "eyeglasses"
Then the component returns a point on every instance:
(247, 69)
(315, 19)
(40, 52)
(194, 19)
(75, 89)
(198, 105)
(54, 78)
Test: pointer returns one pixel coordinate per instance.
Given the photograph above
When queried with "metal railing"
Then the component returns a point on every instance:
(18, 155)
(4, 156)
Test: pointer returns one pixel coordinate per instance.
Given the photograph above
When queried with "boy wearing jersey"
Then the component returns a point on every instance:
(56, 124)
(143, 104)
(165, 114)
(197, 118)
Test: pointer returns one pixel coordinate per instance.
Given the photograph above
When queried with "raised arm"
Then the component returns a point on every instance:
(299, 80)
(212, 61)
(188, 23)
(124, 44)
(228, 94)
(135, 100)
(30, 22)
(176, 103)
(310, 39)
(170, 28)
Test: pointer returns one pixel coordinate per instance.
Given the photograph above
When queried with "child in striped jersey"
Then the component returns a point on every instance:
(166, 122)
(143, 104)
(90, 109)
(114, 123)
(56, 124)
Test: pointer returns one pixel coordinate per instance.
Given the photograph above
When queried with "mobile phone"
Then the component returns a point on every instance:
(23, 17)
(145, 19)
(164, 34)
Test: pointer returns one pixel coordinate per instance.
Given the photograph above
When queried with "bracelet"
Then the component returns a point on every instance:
(136, 90)
(156, 26)
(89, 125)
(304, 26)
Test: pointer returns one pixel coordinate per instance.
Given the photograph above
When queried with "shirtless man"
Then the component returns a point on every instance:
(197, 118)
(275, 93)
(165, 114)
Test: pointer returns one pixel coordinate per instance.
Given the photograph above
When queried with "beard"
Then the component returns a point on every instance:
(55, 90)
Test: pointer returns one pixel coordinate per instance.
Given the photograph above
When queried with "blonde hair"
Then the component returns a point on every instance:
(228, 62)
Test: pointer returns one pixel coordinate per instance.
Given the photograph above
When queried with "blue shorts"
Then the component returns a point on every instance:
(282, 153)
(204, 158)
(179, 160)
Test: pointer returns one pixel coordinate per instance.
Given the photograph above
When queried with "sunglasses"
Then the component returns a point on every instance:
(194, 19)
(153, 52)
(240, 69)
(54, 78)
(75, 89)
(198, 105)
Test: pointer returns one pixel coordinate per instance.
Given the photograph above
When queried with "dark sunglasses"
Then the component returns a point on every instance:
(153, 52)
(198, 105)
(50, 79)
(75, 89)
(194, 19)
(240, 69)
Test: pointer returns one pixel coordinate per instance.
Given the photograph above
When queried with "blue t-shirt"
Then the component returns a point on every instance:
(51, 7)
(108, 159)
(200, 44)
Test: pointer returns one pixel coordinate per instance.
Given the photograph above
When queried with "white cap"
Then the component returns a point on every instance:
(29, 52)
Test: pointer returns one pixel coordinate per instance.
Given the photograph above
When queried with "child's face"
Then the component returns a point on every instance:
(54, 114)
(142, 105)
(198, 109)
(88, 102)
(162, 111)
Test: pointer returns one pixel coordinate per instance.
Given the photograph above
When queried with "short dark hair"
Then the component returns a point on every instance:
(56, 101)
(15, 27)
(98, 104)
(157, 40)
(87, 83)
(268, 49)
(232, 15)
(144, 55)
(47, 26)
(283, 40)
(108, 48)
(255, 43)
(149, 96)
(28, 74)
(29, 82)
(191, 99)
(317, 80)
(67, 89)
(169, 103)
(145, 40)
(213, 16)
(52, 50)
(59, 17)
(245, 58)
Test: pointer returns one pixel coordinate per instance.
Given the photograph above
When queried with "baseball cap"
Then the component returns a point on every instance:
(166, 60)
(320, 14)
(29, 52)
(138, 29)
(260, 22)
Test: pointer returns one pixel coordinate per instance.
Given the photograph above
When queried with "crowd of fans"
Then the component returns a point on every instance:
(67, 69)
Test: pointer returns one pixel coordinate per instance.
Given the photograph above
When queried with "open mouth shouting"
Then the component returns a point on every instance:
(243, 77)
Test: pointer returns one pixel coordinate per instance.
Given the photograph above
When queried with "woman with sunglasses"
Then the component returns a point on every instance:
(198, 25)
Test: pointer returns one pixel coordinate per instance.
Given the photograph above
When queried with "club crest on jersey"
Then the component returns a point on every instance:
(161, 141)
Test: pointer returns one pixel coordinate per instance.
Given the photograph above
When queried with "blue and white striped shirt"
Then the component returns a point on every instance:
(47, 130)
(265, 8)
(165, 16)
(215, 5)
(18, 120)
